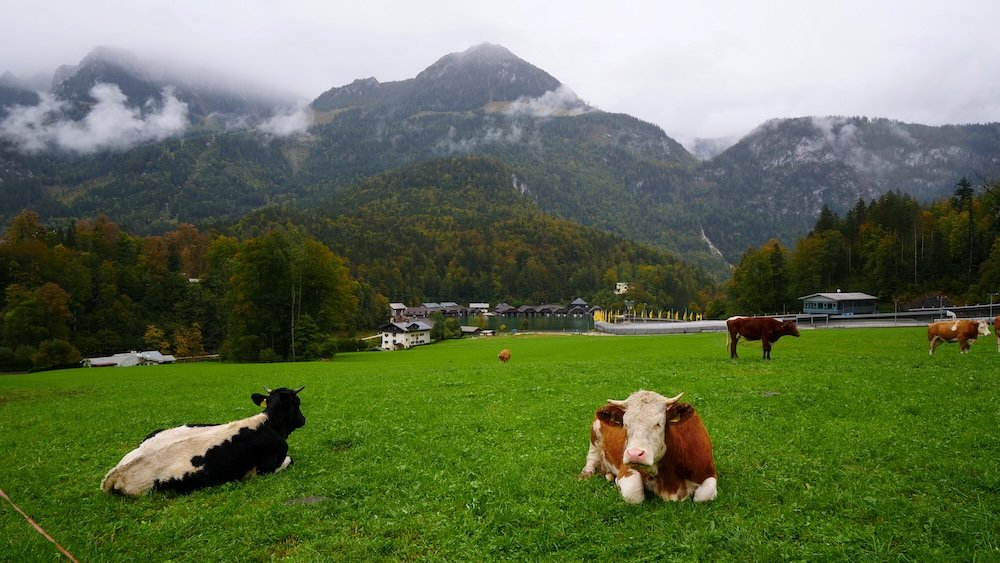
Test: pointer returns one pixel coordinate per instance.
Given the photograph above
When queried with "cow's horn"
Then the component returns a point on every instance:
(616, 403)
(268, 390)
(673, 400)
(299, 389)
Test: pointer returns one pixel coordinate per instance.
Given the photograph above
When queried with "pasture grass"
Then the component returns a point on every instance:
(848, 445)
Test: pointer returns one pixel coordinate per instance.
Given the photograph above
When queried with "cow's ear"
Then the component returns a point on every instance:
(611, 414)
(259, 399)
(679, 412)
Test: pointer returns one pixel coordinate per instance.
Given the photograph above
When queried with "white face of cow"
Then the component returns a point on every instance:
(645, 420)
(984, 328)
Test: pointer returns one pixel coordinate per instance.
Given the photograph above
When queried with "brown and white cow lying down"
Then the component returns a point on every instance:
(191, 457)
(963, 331)
(650, 442)
(766, 329)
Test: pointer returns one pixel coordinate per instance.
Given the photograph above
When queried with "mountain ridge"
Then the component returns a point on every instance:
(610, 171)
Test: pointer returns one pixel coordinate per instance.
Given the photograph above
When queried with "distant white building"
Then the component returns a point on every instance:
(129, 359)
(479, 308)
(405, 334)
(621, 288)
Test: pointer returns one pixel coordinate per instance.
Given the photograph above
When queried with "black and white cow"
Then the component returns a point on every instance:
(191, 457)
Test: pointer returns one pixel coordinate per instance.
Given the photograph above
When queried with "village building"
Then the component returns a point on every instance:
(839, 303)
(401, 335)
(398, 311)
(129, 359)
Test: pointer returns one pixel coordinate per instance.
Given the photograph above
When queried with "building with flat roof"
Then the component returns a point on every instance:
(839, 303)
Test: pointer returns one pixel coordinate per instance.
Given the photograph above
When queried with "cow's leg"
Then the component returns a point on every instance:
(284, 464)
(933, 345)
(706, 491)
(631, 486)
(964, 345)
(766, 344)
(594, 455)
(734, 338)
(274, 458)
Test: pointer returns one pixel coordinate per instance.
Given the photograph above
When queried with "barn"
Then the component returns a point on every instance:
(839, 303)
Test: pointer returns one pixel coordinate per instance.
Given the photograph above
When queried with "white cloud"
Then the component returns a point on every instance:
(287, 123)
(561, 101)
(110, 124)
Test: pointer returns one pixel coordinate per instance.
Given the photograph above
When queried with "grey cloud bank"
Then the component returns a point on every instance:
(709, 69)
(110, 124)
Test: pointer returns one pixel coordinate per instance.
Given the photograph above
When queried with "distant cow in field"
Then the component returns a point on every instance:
(963, 331)
(996, 330)
(504, 356)
(191, 457)
(650, 442)
(766, 329)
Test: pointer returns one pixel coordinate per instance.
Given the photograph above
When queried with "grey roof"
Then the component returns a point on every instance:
(412, 326)
(128, 359)
(842, 296)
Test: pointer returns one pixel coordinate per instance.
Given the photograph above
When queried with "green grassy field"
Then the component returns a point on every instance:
(848, 445)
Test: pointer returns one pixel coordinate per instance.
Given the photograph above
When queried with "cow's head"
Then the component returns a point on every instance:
(645, 417)
(789, 328)
(282, 407)
(984, 328)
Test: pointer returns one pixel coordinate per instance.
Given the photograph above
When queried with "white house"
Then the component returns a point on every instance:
(621, 288)
(129, 359)
(405, 334)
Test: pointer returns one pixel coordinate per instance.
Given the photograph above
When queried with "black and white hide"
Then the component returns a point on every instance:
(191, 457)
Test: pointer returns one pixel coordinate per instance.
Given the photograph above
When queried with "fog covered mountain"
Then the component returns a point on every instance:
(783, 172)
(154, 147)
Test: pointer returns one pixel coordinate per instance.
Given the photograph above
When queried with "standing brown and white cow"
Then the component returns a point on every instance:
(504, 356)
(963, 331)
(996, 330)
(650, 442)
(766, 329)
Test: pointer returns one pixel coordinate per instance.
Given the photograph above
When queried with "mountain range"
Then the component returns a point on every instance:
(153, 149)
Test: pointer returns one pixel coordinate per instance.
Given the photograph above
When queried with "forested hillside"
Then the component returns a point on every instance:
(907, 253)
(290, 284)
(462, 229)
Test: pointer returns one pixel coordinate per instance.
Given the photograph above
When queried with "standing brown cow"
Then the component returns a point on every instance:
(963, 331)
(996, 330)
(766, 329)
(504, 356)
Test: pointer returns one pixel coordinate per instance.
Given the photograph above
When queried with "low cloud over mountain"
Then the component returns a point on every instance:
(111, 124)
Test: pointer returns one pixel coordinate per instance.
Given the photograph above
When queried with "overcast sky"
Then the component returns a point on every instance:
(710, 68)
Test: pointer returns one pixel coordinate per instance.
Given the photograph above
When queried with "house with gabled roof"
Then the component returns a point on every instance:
(578, 307)
(398, 311)
(402, 335)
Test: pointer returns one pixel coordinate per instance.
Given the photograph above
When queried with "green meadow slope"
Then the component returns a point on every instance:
(848, 445)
